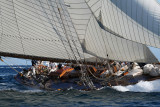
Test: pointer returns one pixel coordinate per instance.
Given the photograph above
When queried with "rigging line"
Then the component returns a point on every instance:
(48, 31)
(115, 55)
(18, 26)
(120, 29)
(116, 28)
(143, 23)
(10, 66)
(98, 34)
(153, 27)
(87, 19)
(69, 42)
(95, 46)
(137, 22)
(159, 32)
(107, 80)
(55, 23)
(89, 45)
(1, 26)
(26, 62)
(93, 16)
(126, 35)
(130, 31)
(134, 29)
(85, 27)
(107, 58)
(125, 31)
(104, 48)
(114, 47)
(128, 21)
(106, 36)
(75, 3)
(87, 1)
(94, 3)
(14, 63)
(65, 32)
(60, 36)
(77, 35)
(134, 35)
(71, 33)
(87, 24)
(147, 24)
(103, 34)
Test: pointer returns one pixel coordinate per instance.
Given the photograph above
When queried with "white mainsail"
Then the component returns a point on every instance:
(38, 28)
(73, 29)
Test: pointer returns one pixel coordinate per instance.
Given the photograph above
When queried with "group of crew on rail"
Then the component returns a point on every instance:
(114, 68)
(38, 68)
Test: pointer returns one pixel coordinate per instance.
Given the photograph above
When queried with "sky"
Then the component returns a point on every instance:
(16, 61)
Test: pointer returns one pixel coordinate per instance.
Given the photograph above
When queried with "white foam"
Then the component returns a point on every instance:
(31, 91)
(3, 83)
(142, 86)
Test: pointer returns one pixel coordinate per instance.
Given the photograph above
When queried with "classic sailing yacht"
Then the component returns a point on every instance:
(83, 32)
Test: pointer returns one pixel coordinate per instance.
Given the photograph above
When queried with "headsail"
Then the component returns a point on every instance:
(102, 41)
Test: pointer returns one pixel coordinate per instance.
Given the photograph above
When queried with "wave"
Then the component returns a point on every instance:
(22, 89)
(31, 91)
(142, 86)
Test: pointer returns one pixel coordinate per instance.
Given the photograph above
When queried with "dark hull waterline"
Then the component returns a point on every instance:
(75, 83)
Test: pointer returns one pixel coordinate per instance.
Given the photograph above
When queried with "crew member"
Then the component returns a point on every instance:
(33, 68)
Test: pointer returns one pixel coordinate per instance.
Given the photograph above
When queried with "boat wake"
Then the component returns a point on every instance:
(142, 86)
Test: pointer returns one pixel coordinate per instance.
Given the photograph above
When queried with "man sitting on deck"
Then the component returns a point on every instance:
(52, 66)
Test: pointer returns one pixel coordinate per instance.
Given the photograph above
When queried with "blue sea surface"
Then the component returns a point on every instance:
(13, 94)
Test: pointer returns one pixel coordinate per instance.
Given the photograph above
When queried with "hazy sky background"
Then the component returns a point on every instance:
(17, 61)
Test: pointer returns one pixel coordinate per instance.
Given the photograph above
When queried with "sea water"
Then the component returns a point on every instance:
(14, 94)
